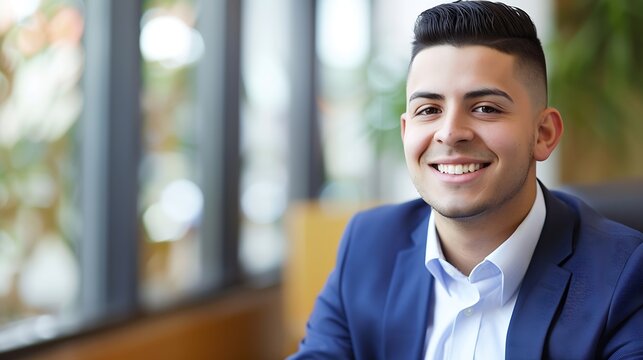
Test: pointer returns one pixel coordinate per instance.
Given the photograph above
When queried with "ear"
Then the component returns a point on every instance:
(403, 125)
(548, 133)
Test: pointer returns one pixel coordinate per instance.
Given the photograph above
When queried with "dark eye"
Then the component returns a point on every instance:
(431, 110)
(486, 109)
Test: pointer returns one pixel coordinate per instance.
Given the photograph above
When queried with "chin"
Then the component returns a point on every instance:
(457, 212)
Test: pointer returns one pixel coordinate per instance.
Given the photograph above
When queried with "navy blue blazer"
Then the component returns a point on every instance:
(581, 298)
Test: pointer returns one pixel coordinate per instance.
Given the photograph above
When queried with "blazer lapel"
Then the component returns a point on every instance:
(544, 284)
(406, 309)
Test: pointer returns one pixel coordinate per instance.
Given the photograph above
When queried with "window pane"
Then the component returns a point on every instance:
(41, 63)
(264, 134)
(362, 89)
(343, 47)
(170, 199)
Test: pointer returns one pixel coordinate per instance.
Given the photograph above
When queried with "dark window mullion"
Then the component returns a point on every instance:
(218, 108)
(232, 151)
(306, 166)
(111, 144)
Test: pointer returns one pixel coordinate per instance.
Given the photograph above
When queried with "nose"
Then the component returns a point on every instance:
(454, 127)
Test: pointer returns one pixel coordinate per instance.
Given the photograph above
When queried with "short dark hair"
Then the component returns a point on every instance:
(501, 27)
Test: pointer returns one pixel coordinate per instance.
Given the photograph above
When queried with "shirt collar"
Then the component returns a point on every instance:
(512, 257)
(434, 254)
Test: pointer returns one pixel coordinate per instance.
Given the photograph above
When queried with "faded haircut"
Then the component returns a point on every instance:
(495, 25)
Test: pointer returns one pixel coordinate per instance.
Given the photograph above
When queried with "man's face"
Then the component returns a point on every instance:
(469, 132)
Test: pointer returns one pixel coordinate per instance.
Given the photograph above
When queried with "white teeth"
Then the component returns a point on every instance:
(458, 169)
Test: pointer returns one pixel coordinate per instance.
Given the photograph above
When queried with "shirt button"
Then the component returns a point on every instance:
(468, 311)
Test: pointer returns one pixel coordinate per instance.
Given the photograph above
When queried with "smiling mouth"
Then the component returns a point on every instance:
(459, 169)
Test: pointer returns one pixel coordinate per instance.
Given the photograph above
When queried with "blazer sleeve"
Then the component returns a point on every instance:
(327, 331)
(625, 319)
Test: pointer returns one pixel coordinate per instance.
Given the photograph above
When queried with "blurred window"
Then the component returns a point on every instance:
(343, 49)
(208, 190)
(41, 64)
(264, 134)
(170, 200)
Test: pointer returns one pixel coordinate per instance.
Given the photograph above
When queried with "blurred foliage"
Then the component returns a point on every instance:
(596, 78)
(41, 62)
(386, 102)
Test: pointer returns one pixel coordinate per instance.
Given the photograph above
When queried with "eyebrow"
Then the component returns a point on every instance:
(470, 95)
(487, 92)
(425, 95)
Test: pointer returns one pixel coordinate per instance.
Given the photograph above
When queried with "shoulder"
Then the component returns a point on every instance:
(388, 222)
(383, 231)
(402, 214)
(591, 224)
(603, 249)
(607, 275)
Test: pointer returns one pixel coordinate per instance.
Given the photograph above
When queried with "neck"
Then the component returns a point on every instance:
(467, 242)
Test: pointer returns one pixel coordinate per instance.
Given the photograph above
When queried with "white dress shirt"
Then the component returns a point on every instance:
(469, 316)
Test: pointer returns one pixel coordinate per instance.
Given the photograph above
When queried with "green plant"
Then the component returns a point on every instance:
(596, 78)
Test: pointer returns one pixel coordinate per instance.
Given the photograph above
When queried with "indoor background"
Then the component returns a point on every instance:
(175, 174)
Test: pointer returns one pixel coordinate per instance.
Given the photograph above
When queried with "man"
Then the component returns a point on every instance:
(495, 266)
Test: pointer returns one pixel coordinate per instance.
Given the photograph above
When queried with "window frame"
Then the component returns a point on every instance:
(109, 136)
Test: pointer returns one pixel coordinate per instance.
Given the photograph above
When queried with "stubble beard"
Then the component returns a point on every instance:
(469, 214)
